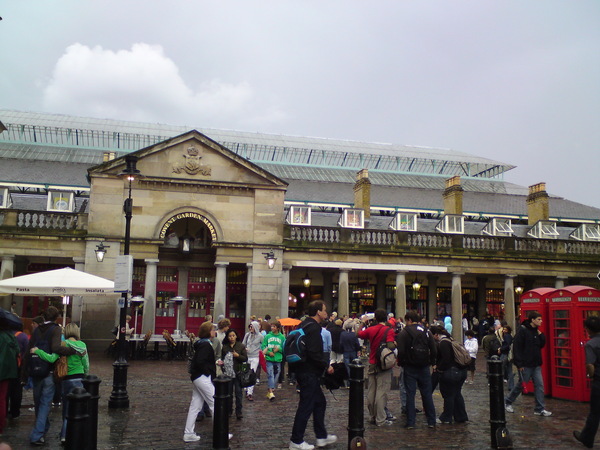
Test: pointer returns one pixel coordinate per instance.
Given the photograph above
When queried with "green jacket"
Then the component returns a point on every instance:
(79, 363)
(9, 349)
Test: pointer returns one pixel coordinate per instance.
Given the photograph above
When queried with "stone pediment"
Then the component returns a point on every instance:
(193, 158)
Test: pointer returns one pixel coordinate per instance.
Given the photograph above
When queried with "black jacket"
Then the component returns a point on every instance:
(315, 360)
(240, 349)
(404, 343)
(527, 346)
(336, 332)
(203, 361)
(55, 345)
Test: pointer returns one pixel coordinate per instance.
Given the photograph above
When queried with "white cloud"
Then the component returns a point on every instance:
(144, 84)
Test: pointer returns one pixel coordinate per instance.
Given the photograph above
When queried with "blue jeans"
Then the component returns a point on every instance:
(67, 387)
(312, 401)
(530, 373)
(451, 382)
(421, 377)
(273, 369)
(43, 392)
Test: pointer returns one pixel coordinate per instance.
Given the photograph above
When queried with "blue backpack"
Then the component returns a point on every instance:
(294, 348)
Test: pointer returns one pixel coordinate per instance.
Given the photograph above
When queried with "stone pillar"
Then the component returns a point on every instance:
(285, 291)
(457, 306)
(509, 300)
(432, 281)
(149, 315)
(328, 289)
(77, 301)
(560, 282)
(182, 290)
(7, 269)
(220, 289)
(343, 293)
(480, 293)
(400, 294)
(248, 292)
(380, 300)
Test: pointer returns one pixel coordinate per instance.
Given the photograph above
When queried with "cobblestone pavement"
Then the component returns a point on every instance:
(160, 392)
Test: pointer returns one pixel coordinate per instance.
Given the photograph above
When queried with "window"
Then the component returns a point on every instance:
(60, 201)
(299, 215)
(587, 232)
(404, 222)
(451, 223)
(352, 218)
(5, 198)
(498, 227)
(543, 229)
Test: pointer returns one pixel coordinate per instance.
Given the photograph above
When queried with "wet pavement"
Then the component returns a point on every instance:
(160, 392)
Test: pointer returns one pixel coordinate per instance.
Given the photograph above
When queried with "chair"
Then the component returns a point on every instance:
(142, 350)
(171, 345)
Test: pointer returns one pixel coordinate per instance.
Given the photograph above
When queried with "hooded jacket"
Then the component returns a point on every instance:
(253, 341)
(527, 346)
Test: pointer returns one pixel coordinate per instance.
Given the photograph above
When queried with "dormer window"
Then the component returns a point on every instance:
(498, 227)
(299, 215)
(404, 222)
(451, 224)
(352, 218)
(543, 229)
(60, 201)
(586, 232)
(5, 198)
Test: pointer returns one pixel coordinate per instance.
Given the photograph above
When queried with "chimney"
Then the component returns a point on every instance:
(453, 196)
(537, 204)
(108, 156)
(362, 192)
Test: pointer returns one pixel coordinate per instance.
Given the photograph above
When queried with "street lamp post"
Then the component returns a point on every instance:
(119, 397)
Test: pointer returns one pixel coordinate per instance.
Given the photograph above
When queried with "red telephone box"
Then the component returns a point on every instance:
(568, 307)
(537, 300)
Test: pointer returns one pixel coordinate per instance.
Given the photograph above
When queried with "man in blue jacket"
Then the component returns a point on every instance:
(527, 356)
(308, 375)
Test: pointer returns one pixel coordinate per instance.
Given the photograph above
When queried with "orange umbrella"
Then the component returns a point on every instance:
(289, 322)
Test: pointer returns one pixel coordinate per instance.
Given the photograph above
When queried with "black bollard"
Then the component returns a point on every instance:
(77, 417)
(91, 383)
(356, 402)
(499, 433)
(221, 414)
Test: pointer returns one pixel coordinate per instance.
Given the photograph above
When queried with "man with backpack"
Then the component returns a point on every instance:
(417, 353)
(379, 380)
(48, 338)
(308, 376)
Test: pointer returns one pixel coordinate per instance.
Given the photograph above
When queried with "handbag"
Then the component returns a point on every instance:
(61, 368)
(246, 375)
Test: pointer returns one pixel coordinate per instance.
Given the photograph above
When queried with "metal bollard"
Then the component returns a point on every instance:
(77, 417)
(499, 433)
(221, 415)
(356, 402)
(91, 383)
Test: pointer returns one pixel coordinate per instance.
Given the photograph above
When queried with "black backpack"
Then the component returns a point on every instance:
(38, 368)
(418, 350)
(494, 347)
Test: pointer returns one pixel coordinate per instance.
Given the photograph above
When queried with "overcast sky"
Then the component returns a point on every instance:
(515, 81)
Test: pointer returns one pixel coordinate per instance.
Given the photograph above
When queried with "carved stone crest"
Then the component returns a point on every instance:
(191, 164)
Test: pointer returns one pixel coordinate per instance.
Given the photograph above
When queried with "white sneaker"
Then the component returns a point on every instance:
(230, 435)
(191, 437)
(543, 412)
(330, 439)
(303, 446)
(510, 409)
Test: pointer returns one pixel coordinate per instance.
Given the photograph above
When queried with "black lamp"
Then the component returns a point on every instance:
(101, 251)
(270, 257)
(306, 280)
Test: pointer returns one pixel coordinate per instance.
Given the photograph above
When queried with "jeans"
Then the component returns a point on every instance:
(67, 387)
(312, 401)
(273, 369)
(421, 377)
(348, 358)
(507, 371)
(43, 392)
(451, 382)
(530, 373)
(402, 389)
(593, 419)
(235, 389)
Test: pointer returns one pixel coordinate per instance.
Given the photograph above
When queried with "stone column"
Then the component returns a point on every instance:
(328, 289)
(77, 301)
(560, 282)
(400, 294)
(182, 290)
(380, 300)
(285, 291)
(432, 281)
(480, 293)
(149, 314)
(343, 293)
(509, 300)
(7, 270)
(248, 293)
(220, 289)
(457, 306)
